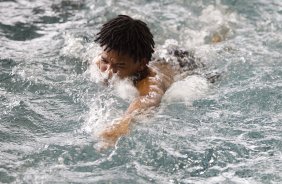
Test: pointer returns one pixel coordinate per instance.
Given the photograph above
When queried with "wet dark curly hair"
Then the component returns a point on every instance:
(127, 36)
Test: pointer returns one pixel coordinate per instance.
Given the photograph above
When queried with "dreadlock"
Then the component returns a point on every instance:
(127, 36)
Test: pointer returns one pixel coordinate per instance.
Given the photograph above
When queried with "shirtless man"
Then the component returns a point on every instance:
(127, 50)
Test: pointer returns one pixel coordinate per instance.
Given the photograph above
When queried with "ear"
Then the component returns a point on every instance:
(143, 63)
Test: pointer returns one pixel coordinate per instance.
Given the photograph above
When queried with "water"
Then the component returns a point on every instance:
(52, 106)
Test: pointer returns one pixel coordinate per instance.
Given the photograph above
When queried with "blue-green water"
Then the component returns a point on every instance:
(51, 105)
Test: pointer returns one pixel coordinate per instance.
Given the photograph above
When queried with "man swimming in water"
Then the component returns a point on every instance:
(128, 46)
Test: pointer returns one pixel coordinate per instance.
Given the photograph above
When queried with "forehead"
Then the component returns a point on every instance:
(115, 56)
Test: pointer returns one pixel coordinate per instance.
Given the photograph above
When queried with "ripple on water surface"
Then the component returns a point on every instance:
(226, 132)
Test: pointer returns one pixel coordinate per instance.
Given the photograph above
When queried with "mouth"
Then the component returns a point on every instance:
(111, 79)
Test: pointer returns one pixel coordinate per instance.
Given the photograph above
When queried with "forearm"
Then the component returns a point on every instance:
(142, 103)
(138, 105)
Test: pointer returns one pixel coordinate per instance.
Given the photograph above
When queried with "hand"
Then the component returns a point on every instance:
(119, 129)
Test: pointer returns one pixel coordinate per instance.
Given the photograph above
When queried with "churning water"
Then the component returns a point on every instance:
(51, 104)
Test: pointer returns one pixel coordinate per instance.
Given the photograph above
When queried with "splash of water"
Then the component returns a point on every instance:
(187, 90)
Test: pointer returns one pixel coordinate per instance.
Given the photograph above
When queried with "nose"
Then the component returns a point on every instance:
(112, 69)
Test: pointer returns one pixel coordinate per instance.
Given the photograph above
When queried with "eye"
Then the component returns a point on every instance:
(120, 66)
(104, 61)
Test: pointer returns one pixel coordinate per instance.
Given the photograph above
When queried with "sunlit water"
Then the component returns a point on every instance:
(52, 105)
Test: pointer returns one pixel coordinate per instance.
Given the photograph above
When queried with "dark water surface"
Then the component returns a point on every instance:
(50, 105)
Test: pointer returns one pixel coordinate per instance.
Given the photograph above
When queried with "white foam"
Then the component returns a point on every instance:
(187, 90)
(217, 15)
(214, 20)
(72, 46)
(122, 88)
(125, 90)
(95, 74)
(102, 114)
(78, 48)
(103, 110)
(164, 52)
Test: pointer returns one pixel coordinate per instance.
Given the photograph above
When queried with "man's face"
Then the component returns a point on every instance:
(120, 64)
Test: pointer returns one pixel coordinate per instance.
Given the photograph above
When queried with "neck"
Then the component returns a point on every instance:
(140, 75)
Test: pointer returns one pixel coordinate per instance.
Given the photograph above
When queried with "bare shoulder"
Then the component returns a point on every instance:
(165, 73)
(159, 80)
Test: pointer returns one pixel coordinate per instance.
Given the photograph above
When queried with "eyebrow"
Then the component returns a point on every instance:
(103, 58)
(120, 63)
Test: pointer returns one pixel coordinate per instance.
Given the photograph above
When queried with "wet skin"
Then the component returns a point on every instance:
(151, 87)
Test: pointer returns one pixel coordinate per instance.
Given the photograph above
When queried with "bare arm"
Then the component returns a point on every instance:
(151, 92)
